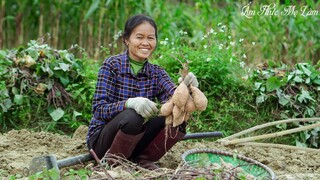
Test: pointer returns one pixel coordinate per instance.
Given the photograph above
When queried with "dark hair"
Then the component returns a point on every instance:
(135, 21)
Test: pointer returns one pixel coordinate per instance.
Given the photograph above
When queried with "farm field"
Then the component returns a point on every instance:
(17, 148)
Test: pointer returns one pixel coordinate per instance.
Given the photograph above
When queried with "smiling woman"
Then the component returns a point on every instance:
(124, 108)
(142, 42)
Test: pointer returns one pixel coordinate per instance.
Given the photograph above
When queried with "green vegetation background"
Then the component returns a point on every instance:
(254, 65)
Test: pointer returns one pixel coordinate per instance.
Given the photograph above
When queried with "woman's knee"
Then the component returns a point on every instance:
(131, 122)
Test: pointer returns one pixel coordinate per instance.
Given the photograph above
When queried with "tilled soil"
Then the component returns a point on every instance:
(18, 148)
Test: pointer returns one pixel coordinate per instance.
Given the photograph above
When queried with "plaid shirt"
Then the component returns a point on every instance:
(116, 84)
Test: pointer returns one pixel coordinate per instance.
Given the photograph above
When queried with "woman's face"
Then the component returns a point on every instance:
(142, 42)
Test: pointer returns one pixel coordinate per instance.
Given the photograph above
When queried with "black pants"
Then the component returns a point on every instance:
(131, 123)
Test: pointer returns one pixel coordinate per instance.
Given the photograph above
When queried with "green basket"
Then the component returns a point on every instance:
(202, 158)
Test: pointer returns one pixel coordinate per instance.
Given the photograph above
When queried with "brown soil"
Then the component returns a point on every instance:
(18, 148)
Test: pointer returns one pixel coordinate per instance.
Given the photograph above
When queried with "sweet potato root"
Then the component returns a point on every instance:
(200, 100)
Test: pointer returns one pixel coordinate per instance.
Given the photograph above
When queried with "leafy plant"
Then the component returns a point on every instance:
(46, 174)
(34, 83)
(294, 92)
(219, 68)
(77, 174)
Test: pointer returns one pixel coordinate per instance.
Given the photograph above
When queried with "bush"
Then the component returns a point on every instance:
(217, 61)
(42, 88)
(293, 93)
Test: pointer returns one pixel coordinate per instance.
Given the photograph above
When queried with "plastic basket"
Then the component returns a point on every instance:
(202, 158)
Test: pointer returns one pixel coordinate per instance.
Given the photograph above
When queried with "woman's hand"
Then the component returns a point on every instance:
(142, 106)
(190, 79)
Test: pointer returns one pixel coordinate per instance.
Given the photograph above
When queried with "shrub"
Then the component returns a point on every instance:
(42, 88)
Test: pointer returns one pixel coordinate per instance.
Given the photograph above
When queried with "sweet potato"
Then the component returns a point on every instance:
(166, 108)
(178, 120)
(190, 106)
(200, 100)
(180, 96)
(169, 119)
(176, 111)
(178, 116)
(186, 116)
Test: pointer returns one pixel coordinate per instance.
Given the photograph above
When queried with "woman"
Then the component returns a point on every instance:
(126, 89)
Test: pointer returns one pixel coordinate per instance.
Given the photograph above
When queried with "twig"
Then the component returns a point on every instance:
(279, 146)
(177, 59)
(98, 161)
(270, 124)
(265, 136)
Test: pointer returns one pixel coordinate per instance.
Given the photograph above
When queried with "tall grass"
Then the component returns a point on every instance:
(92, 24)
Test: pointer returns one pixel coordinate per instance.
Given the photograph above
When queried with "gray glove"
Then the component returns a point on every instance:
(190, 79)
(142, 106)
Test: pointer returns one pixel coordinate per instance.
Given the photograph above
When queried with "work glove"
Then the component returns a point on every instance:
(189, 79)
(142, 106)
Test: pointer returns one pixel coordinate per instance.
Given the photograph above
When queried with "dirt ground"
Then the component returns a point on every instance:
(18, 148)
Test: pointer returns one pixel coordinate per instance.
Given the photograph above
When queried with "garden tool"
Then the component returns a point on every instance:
(48, 162)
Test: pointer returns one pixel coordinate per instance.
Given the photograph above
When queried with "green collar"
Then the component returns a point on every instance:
(136, 66)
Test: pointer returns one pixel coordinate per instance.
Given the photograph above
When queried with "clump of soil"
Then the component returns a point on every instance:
(18, 148)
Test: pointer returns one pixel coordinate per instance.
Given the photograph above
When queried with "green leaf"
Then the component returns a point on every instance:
(283, 101)
(18, 99)
(57, 114)
(46, 68)
(305, 70)
(93, 7)
(69, 57)
(298, 79)
(260, 99)
(273, 83)
(305, 96)
(316, 81)
(6, 104)
(310, 112)
(257, 85)
(64, 80)
(75, 115)
(65, 67)
(107, 3)
(300, 144)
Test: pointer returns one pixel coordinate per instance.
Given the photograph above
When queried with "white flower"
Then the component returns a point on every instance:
(220, 46)
(240, 40)
(244, 56)
(211, 31)
(181, 32)
(219, 24)
(232, 43)
(166, 39)
(161, 57)
(208, 59)
(242, 64)
(164, 42)
(221, 30)
(185, 32)
(205, 46)
(253, 43)
(229, 37)
(117, 35)
(231, 59)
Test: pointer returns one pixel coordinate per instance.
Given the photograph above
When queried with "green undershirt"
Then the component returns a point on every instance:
(136, 66)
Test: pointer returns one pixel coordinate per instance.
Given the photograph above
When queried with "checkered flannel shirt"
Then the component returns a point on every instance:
(116, 84)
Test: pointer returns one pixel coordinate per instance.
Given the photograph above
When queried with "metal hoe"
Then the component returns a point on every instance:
(48, 162)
